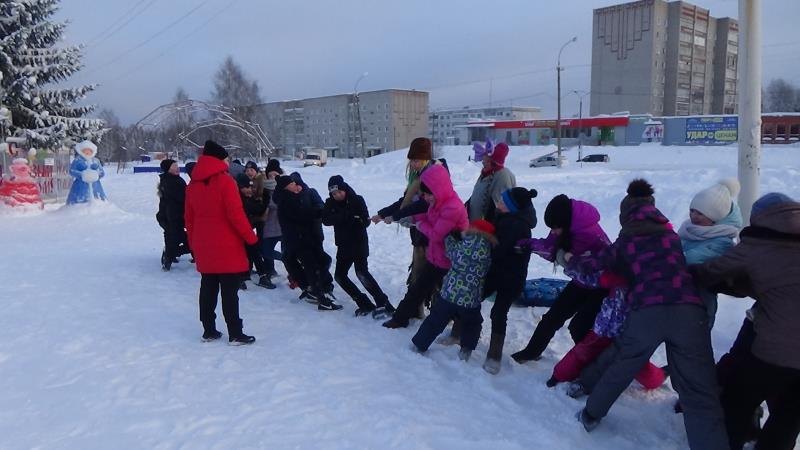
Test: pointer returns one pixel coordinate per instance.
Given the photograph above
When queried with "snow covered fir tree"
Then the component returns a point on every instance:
(31, 64)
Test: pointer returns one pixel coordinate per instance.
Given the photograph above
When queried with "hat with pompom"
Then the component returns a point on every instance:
(518, 198)
(640, 192)
(716, 202)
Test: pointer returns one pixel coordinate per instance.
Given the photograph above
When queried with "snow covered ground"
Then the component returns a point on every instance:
(102, 350)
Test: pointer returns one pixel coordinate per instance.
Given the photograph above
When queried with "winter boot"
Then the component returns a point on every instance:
(576, 389)
(455, 334)
(293, 284)
(166, 263)
(326, 304)
(394, 324)
(495, 353)
(552, 382)
(211, 335)
(364, 305)
(525, 355)
(384, 310)
(241, 339)
(589, 423)
(464, 354)
(309, 297)
(265, 282)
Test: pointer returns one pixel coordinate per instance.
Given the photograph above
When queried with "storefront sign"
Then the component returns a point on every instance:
(711, 130)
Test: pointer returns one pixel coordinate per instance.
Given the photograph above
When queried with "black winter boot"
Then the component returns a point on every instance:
(265, 282)
(525, 355)
(241, 339)
(364, 305)
(211, 335)
(495, 353)
(589, 423)
(326, 304)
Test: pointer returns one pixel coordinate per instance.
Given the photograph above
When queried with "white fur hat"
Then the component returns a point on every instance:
(716, 202)
(86, 144)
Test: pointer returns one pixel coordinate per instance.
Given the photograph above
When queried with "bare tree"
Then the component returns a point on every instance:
(782, 96)
(233, 89)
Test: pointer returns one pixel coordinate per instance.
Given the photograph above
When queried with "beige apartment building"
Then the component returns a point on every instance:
(663, 58)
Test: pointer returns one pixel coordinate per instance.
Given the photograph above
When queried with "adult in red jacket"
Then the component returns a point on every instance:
(218, 230)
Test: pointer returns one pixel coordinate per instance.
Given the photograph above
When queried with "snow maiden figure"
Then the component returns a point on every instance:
(87, 170)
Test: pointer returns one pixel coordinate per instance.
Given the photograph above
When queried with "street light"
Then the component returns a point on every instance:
(580, 95)
(558, 85)
(358, 111)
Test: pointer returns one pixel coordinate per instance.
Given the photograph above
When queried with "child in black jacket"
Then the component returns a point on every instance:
(347, 212)
(254, 208)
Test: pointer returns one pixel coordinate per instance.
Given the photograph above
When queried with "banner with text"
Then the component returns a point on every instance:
(711, 130)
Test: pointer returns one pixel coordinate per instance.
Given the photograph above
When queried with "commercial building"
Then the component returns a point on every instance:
(447, 125)
(390, 119)
(663, 58)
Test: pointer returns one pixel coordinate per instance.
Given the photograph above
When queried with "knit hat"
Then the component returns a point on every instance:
(518, 198)
(211, 148)
(273, 165)
(558, 213)
(767, 201)
(716, 202)
(189, 167)
(243, 181)
(251, 165)
(283, 181)
(499, 153)
(420, 149)
(640, 192)
(166, 164)
(483, 225)
(335, 183)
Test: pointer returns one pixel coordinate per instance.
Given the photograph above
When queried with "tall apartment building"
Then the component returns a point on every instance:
(390, 120)
(663, 58)
(446, 126)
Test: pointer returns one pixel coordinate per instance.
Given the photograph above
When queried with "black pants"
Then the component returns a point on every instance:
(577, 301)
(685, 332)
(746, 387)
(442, 312)
(254, 255)
(315, 264)
(345, 260)
(175, 242)
(293, 267)
(210, 286)
(507, 293)
(421, 288)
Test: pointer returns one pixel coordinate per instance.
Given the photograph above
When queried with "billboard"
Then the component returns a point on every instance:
(711, 130)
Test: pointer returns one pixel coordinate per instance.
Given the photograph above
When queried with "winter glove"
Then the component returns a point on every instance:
(456, 234)
(94, 166)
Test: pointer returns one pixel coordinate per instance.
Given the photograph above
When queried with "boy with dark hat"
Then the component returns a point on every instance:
(347, 213)
(254, 208)
(171, 195)
(300, 213)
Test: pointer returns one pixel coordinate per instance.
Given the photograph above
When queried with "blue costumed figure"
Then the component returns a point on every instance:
(87, 170)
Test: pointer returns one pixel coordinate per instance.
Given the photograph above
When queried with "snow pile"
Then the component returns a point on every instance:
(102, 349)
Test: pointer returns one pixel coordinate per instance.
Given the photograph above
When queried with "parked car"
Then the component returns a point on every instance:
(548, 161)
(600, 157)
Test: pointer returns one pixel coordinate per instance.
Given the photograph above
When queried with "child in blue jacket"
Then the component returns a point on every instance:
(714, 222)
(462, 288)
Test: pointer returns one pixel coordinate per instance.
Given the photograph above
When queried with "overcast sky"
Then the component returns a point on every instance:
(140, 51)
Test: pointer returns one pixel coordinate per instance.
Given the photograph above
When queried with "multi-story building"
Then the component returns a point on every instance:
(663, 58)
(390, 120)
(447, 126)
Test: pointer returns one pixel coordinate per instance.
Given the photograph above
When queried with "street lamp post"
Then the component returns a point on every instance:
(358, 111)
(558, 87)
(580, 95)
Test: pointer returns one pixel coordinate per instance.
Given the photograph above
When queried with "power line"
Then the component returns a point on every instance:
(105, 33)
(146, 41)
(200, 27)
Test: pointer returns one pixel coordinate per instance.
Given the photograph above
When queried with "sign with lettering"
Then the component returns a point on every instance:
(711, 130)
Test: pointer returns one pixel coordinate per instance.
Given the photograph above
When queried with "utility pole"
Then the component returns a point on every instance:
(358, 117)
(749, 103)
(580, 95)
(558, 88)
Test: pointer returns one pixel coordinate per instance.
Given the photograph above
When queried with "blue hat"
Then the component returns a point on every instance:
(768, 201)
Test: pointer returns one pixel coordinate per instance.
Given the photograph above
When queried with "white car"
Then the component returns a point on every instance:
(548, 161)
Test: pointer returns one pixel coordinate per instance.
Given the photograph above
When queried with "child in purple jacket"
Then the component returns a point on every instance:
(575, 228)
(664, 308)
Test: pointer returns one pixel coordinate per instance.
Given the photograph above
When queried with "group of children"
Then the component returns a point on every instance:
(651, 285)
